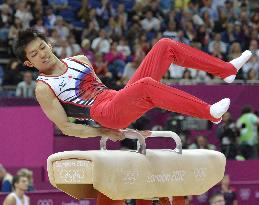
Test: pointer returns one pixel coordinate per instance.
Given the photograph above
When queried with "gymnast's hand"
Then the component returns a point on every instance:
(131, 133)
(112, 134)
(145, 133)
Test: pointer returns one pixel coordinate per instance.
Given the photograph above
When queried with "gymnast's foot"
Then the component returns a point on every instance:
(219, 108)
(238, 63)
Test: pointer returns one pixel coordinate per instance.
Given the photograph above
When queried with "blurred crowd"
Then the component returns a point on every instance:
(116, 35)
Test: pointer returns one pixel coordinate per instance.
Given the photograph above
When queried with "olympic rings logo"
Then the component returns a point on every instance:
(45, 202)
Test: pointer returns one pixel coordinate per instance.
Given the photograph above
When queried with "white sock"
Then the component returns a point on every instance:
(219, 108)
(238, 63)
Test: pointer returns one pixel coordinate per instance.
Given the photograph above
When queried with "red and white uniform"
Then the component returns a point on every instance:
(76, 89)
(83, 95)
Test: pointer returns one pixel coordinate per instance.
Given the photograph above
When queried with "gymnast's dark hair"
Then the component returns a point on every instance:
(24, 38)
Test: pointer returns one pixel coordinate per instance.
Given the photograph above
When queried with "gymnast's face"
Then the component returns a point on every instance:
(39, 55)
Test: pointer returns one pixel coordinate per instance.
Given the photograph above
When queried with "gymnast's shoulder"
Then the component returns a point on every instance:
(43, 90)
(82, 59)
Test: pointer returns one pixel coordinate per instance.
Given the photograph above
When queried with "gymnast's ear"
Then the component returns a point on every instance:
(28, 64)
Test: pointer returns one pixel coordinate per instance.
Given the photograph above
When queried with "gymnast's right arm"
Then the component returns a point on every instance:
(56, 113)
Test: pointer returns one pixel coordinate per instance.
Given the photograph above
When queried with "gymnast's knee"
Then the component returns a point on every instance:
(144, 82)
(165, 42)
(145, 86)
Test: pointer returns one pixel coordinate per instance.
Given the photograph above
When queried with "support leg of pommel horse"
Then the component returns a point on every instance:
(104, 200)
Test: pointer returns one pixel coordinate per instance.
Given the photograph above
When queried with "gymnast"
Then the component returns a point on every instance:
(70, 88)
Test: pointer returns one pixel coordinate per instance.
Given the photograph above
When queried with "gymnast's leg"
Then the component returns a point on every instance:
(144, 91)
(167, 51)
(130, 103)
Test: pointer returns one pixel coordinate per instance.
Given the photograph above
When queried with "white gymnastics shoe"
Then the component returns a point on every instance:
(219, 108)
(238, 63)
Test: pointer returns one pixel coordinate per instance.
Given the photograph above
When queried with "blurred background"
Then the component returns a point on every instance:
(116, 35)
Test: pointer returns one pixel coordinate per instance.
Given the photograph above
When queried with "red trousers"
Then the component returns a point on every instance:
(104, 200)
(118, 109)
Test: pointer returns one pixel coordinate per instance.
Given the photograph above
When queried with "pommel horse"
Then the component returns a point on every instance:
(112, 176)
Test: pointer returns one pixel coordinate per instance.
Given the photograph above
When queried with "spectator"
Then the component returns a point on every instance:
(227, 134)
(217, 199)
(222, 45)
(62, 28)
(150, 23)
(50, 18)
(54, 38)
(29, 174)
(171, 30)
(14, 30)
(86, 50)
(123, 47)
(234, 51)
(39, 26)
(26, 88)
(113, 54)
(217, 51)
(6, 179)
(5, 21)
(101, 44)
(24, 14)
(166, 5)
(201, 142)
(129, 71)
(74, 45)
(252, 75)
(114, 28)
(115, 61)
(90, 32)
(84, 11)
(104, 12)
(100, 66)
(63, 49)
(228, 192)
(58, 4)
(186, 78)
(248, 125)
(228, 35)
(253, 47)
(18, 197)
(123, 15)
(37, 9)
(252, 64)
(13, 73)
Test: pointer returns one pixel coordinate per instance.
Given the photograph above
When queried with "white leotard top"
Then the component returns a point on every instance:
(76, 89)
